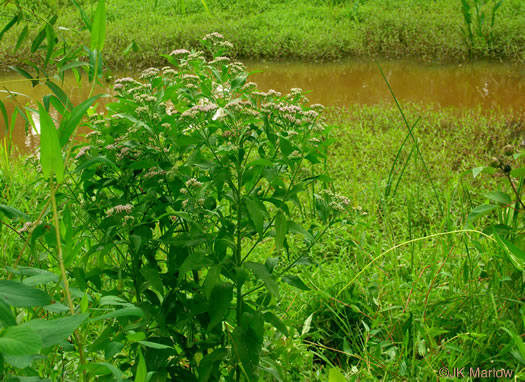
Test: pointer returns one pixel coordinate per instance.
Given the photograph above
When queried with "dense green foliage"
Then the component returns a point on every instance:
(302, 29)
(207, 231)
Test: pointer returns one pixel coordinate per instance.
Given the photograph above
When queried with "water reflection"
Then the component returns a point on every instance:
(486, 85)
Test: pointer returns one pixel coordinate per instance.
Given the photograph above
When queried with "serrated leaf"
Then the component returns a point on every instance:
(276, 322)
(19, 340)
(16, 294)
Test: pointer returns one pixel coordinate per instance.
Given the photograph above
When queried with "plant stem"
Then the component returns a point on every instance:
(67, 291)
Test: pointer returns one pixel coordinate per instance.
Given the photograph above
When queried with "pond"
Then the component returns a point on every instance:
(485, 85)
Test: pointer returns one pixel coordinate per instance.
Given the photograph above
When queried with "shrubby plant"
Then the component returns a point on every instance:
(196, 183)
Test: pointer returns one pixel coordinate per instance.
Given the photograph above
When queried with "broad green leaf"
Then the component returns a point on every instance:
(479, 211)
(50, 151)
(298, 229)
(257, 213)
(335, 375)
(295, 281)
(221, 296)
(13, 213)
(6, 315)
(261, 272)
(19, 340)
(194, 262)
(517, 172)
(141, 374)
(54, 332)
(124, 312)
(210, 363)
(98, 29)
(281, 228)
(499, 197)
(152, 276)
(19, 295)
(40, 279)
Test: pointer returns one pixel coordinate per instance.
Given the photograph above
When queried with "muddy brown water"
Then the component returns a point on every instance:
(486, 85)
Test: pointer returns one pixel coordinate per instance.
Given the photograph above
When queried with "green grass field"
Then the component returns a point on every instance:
(430, 30)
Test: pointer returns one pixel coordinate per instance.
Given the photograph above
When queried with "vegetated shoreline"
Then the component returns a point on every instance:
(295, 30)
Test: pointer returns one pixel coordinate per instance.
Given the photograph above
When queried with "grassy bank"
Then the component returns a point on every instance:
(442, 301)
(298, 29)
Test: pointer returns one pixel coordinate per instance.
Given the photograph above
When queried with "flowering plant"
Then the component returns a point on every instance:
(191, 176)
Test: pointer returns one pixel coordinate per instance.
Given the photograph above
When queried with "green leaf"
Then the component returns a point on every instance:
(99, 159)
(298, 229)
(54, 332)
(295, 281)
(19, 340)
(141, 374)
(335, 375)
(210, 364)
(517, 172)
(9, 25)
(71, 120)
(281, 228)
(19, 295)
(25, 74)
(479, 211)
(21, 38)
(220, 298)
(83, 15)
(60, 94)
(6, 315)
(50, 151)
(51, 40)
(261, 272)
(515, 254)
(154, 345)
(257, 213)
(131, 47)
(152, 276)
(499, 197)
(307, 324)
(124, 312)
(13, 213)
(276, 322)
(98, 30)
(238, 82)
